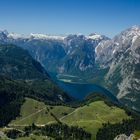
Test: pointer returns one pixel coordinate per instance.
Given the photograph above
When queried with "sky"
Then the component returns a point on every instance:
(59, 17)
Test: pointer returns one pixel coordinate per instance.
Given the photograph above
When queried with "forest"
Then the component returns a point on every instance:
(110, 131)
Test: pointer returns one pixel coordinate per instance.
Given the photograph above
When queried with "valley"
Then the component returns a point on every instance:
(75, 87)
(76, 84)
(78, 89)
(94, 58)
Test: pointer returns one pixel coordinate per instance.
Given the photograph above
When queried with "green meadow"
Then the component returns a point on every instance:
(89, 117)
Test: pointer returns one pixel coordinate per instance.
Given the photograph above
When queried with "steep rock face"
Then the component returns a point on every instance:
(106, 50)
(122, 56)
(79, 54)
(47, 51)
(71, 54)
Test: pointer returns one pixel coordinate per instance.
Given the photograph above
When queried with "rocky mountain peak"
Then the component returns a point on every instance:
(3, 34)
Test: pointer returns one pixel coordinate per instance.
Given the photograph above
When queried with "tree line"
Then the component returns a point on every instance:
(59, 132)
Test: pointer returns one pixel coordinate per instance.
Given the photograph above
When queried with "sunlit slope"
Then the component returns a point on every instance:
(90, 117)
(33, 111)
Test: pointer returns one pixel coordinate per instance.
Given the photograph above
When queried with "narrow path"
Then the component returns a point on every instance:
(41, 125)
(24, 125)
(99, 118)
(14, 128)
(67, 115)
(28, 117)
(32, 114)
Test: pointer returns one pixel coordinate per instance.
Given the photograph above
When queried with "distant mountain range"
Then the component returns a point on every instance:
(112, 63)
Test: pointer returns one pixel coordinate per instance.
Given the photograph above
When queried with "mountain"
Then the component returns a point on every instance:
(21, 76)
(3, 36)
(80, 54)
(48, 51)
(121, 56)
(111, 63)
(19, 66)
(59, 54)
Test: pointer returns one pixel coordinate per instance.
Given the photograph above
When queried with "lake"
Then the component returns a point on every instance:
(79, 90)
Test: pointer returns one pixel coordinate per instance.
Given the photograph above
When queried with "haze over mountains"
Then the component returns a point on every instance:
(112, 63)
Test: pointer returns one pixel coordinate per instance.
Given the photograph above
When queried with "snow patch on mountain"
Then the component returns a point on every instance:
(94, 36)
(15, 36)
(44, 36)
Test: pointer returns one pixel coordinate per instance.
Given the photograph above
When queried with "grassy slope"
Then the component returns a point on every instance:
(90, 117)
(37, 112)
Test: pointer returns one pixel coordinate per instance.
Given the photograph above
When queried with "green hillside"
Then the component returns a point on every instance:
(33, 111)
(92, 116)
(18, 64)
(89, 117)
(21, 76)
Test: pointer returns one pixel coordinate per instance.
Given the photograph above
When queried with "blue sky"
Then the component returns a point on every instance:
(107, 17)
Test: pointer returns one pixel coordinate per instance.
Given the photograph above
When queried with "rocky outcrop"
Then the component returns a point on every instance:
(124, 137)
